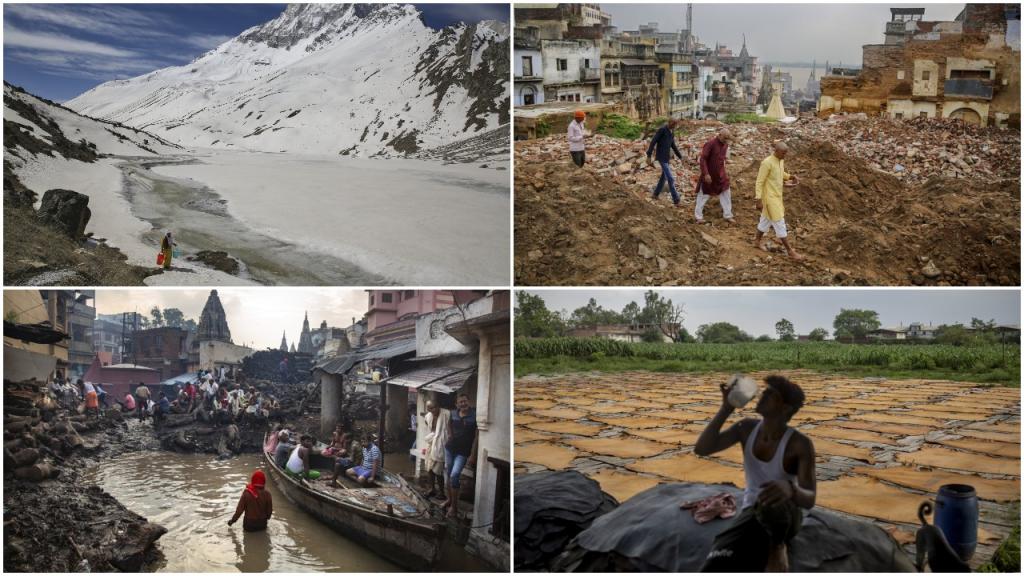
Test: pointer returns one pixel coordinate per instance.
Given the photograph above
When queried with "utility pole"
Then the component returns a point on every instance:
(688, 42)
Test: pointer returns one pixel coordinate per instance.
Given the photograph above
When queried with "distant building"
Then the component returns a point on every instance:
(164, 349)
(626, 332)
(967, 69)
(212, 348)
(305, 339)
(912, 331)
(82, 316)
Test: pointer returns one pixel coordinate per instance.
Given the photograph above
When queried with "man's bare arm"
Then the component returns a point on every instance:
(806, 489)
(712, 439)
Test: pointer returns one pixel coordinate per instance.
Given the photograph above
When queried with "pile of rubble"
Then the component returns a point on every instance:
(857, 225)
(52, 522)
(263, 365)
(917, 149)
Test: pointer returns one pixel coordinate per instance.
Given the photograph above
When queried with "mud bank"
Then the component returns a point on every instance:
(64, 524)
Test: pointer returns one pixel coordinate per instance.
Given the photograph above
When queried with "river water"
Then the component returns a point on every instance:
(194, 496)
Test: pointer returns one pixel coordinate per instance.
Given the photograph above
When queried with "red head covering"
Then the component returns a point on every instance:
(579, 115)
(259, 480)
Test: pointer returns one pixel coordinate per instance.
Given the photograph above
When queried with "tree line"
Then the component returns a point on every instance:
(662, 317)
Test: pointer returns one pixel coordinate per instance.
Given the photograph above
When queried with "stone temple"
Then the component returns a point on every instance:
(213, 324)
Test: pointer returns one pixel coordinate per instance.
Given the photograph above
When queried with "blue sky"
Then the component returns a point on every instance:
(59, 51)
(757, 311)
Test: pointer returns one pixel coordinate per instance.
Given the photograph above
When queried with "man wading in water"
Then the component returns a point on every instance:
(778, 466)
(256, 503)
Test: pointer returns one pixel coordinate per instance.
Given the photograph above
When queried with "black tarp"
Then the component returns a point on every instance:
(551, 508)
(650, 533)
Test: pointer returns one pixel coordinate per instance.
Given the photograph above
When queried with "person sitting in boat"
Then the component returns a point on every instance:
(367, 472)
(256, 503)
(339, 443)
(298, 462)
(460, 449)
(283, 449)
(271, 440)
(343, 461)
(778, 464)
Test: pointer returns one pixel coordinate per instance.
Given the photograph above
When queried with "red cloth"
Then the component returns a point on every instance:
(712, 161)
(259, 480)
(721, 505)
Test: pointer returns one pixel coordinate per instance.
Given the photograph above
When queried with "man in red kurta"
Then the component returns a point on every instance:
(713, 180)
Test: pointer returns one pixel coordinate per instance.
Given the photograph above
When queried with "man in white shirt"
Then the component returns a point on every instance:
(577, 135)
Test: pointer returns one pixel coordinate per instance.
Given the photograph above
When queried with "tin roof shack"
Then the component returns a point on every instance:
(486, 324)
(342, 377)
(915, 331)
(967, 69)
(119, 379)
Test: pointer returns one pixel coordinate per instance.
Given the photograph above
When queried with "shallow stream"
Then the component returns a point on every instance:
(194, 496)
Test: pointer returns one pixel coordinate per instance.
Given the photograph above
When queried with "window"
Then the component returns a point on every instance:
(926, 75)
(923, 114)
(561, 64)
(527, 65)
(409, 294)
(385, 298)
(899, 115)
(586, 62)
(371, 299)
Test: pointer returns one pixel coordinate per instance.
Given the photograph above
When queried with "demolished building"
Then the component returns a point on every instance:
(966, 69)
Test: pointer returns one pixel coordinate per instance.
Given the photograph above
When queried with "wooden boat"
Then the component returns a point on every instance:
(390, 518)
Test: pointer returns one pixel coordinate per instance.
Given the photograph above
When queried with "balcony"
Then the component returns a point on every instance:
(528, 38)
(81, 348)
(895, 27)
(968, 88)
(590, 74)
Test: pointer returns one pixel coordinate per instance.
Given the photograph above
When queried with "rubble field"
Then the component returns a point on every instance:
(879, 202)
(882, 446)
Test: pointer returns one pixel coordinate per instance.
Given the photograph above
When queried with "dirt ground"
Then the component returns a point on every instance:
(864, 212)
(882, 446)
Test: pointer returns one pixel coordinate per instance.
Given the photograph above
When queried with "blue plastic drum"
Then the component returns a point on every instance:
(956, 514)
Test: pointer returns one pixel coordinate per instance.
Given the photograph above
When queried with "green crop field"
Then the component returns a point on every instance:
(995, 363)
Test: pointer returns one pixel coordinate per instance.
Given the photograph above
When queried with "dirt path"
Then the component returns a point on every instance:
(855, 224)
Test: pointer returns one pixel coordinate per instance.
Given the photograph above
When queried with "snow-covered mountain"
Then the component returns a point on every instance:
(352, 79)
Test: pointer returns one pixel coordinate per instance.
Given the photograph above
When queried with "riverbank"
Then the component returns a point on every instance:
(66, 524)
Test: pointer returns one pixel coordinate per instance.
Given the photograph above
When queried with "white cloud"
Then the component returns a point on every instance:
(50, 42)
(205, 41)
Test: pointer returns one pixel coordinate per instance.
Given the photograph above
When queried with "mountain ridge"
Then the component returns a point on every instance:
(352, 79)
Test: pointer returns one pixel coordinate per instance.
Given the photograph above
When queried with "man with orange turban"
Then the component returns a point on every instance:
(576, 137)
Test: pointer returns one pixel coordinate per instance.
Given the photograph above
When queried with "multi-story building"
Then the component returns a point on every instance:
(528, 67)
(632, 77)
(164, 349)
(24, 360)
(677, 70)
(81, 317)
(966, 69)
(391, 314)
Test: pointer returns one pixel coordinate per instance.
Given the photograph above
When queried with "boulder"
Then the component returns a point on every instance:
(65, 210)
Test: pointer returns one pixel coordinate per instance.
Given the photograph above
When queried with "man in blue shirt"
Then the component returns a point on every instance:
(665, 143)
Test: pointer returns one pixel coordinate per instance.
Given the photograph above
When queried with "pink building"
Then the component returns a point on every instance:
(391, 314)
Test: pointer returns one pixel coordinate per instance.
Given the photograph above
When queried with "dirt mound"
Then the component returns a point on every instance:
(857, 225)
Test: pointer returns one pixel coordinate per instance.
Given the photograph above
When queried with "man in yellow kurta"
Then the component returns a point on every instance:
(771, 178)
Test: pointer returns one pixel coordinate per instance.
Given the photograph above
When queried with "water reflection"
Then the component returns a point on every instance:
(194, 496)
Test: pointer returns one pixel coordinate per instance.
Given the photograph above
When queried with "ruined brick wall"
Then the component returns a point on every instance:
(889, 72)
(883, 55)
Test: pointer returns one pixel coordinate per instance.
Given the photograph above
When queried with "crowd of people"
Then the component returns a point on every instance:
(713, 180)
(210, 398)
